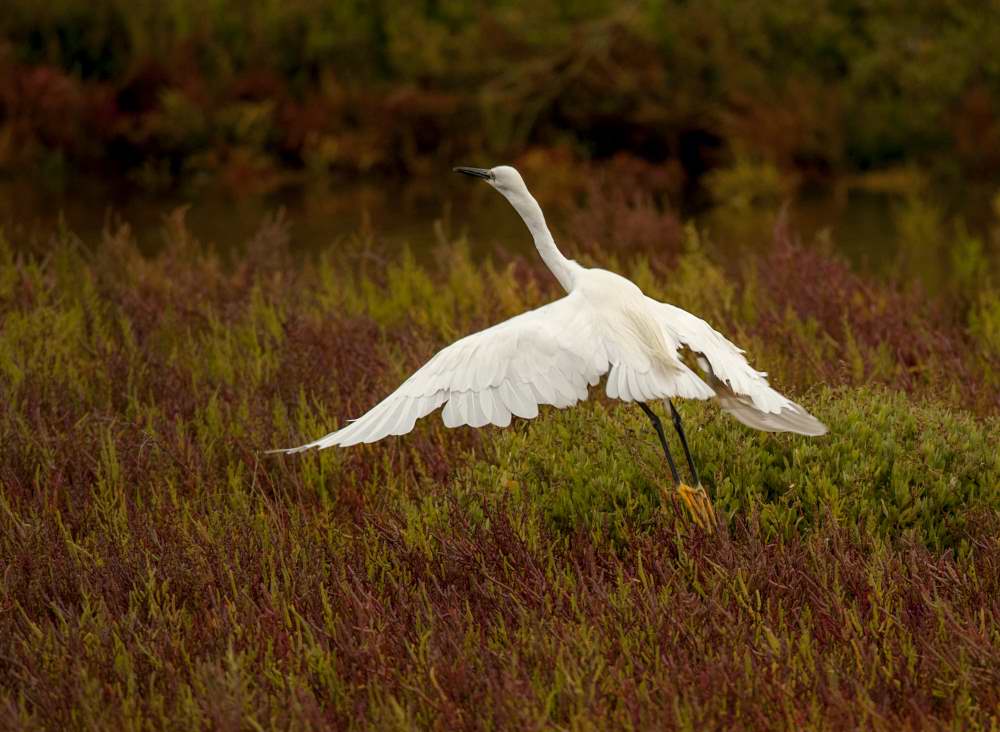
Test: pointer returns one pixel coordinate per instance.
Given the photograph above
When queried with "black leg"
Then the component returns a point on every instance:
(680, 432)
(658, 426)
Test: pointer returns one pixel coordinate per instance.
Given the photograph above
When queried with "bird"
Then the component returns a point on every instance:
(603, 327)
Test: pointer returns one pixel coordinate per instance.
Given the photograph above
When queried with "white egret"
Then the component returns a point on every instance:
(604, 326)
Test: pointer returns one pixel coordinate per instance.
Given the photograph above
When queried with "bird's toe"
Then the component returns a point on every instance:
(699, 504)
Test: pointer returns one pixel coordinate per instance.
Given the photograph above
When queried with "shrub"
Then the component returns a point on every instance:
(890, 468)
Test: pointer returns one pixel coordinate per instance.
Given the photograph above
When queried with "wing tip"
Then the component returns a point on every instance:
(320, 444)
(792, 418)
(290, 450)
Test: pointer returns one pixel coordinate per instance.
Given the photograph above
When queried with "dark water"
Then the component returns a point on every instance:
(416, 214)
(863, 225)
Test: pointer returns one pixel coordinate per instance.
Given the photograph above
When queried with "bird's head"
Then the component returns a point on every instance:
(503, 177)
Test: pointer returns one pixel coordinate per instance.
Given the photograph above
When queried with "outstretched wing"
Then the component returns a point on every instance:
(543, 356)
(741, 389)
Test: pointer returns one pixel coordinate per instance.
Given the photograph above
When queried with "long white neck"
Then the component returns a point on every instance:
(525, 204)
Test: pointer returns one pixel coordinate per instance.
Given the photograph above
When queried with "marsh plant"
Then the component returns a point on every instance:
(158, 571)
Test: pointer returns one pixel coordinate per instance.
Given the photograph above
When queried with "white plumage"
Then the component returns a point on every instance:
(604, 326)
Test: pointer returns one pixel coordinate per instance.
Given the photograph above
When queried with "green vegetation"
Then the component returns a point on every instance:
(160, 572)
(246, 93)
(897, 470)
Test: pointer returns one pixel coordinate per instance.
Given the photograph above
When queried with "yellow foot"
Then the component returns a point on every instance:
(699, 504)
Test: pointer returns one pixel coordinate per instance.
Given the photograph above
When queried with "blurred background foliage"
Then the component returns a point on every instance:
(185, 87)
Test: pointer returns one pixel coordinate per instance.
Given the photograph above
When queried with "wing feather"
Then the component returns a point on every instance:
(518, 400)
(612, 387)
(742, 390)
(450, 414)
(545, 356)
(475, 415)
(633, 386)
(622, 374)
(501, 414)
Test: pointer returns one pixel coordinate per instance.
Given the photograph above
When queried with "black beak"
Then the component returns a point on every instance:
(474, 172)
